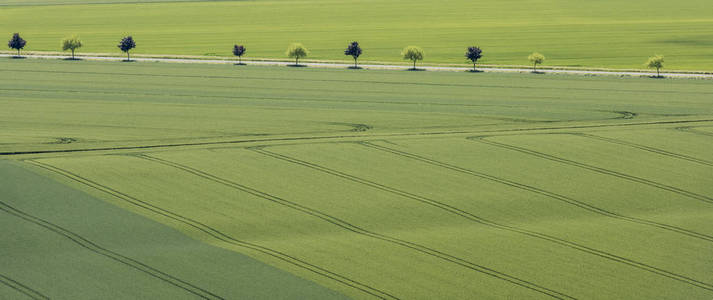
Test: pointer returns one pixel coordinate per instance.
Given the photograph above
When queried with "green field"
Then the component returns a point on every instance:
(172, 181)
(604, 33)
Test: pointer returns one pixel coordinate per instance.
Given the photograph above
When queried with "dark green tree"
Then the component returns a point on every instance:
(17, 43)
(239, 50)
(354, 51)
(126, 44)
(473, 54)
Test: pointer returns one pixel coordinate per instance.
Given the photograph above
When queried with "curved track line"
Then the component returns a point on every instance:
(351, 136)
(636, 179)
(358, 230)
(212, 232)
(553, 239)
(27, 291)
(643, 147)
(693, 130)
(91, 246)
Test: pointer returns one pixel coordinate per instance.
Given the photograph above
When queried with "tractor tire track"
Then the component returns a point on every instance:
(218, 235)
(693, 130)
(636, 179)
(545, 193)
(93, 247)
(307, 138)
(643, 147)
(26, 290)
(562, 242)
(358, 230)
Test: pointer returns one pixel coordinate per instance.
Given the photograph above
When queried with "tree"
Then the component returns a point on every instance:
(536, 59)
(126, 44)
(17, 43)
(656, 61)
(412, 53)
(297, 51)
(473, 54)
(354, 51)
(239, 50)
(71, 43)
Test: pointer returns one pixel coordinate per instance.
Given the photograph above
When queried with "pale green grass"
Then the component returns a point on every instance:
(612, 34)
(390, 184)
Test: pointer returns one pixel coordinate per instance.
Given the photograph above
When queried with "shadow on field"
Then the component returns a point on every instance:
(17, 57)
(354, 68)
(474, 71)
(69, 58)
(297, 66)
(537, 72)
(416, 70)
(656, 77)
(240, 64)
(127, 61)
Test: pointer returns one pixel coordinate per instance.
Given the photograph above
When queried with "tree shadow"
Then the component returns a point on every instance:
(297, 66)
(354, 68)
(415, 70)
(240, 64)
(69, 58)
(657, 76)
(537, 72)
(475, 71)
(17, 57)
(127, 61)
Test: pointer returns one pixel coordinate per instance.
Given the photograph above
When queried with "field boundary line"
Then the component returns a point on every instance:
(214, 233)
(480, 220)
(93, 247)
(693, 130)
(682, 192)
(24, 289)
(358, 230)
(380, 66)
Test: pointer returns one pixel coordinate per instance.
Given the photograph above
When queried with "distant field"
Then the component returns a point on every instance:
(267, 182)
(605, 33)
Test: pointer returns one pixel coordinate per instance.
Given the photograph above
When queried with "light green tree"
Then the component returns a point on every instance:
(71, 43)
(412, 53)
(297, 51)
(656, 61)
(536, 59)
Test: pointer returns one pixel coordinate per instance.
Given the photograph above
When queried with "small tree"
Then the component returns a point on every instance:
(412, 53)
(126, 44)
(656, 61)
(474, 53)
(17, 43)
(71, 43)
(354, 51)
(239, 50)
(536, 59)
(297, 51)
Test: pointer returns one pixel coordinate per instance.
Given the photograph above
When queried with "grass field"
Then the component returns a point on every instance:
(217, 181)
(604, 33)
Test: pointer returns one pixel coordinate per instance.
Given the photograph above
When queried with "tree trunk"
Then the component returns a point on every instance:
(535, 68)
(297, 61)
(72, 54)
(473, 66)
(128, 56)
(355, 63)
(240, 60)
(414, 64)
(18, 52)
(657, 73)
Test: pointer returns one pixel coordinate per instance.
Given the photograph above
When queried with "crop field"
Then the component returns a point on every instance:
(184, 181)
(602, 33)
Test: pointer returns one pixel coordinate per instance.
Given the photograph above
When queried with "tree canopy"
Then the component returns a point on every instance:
(297, 51)
(239, 51)
(474, 53)
(126, 44)
(413, 53)
(536, 59)
(354, 51)
(17, 43)
(656, 61)
(71, 43)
